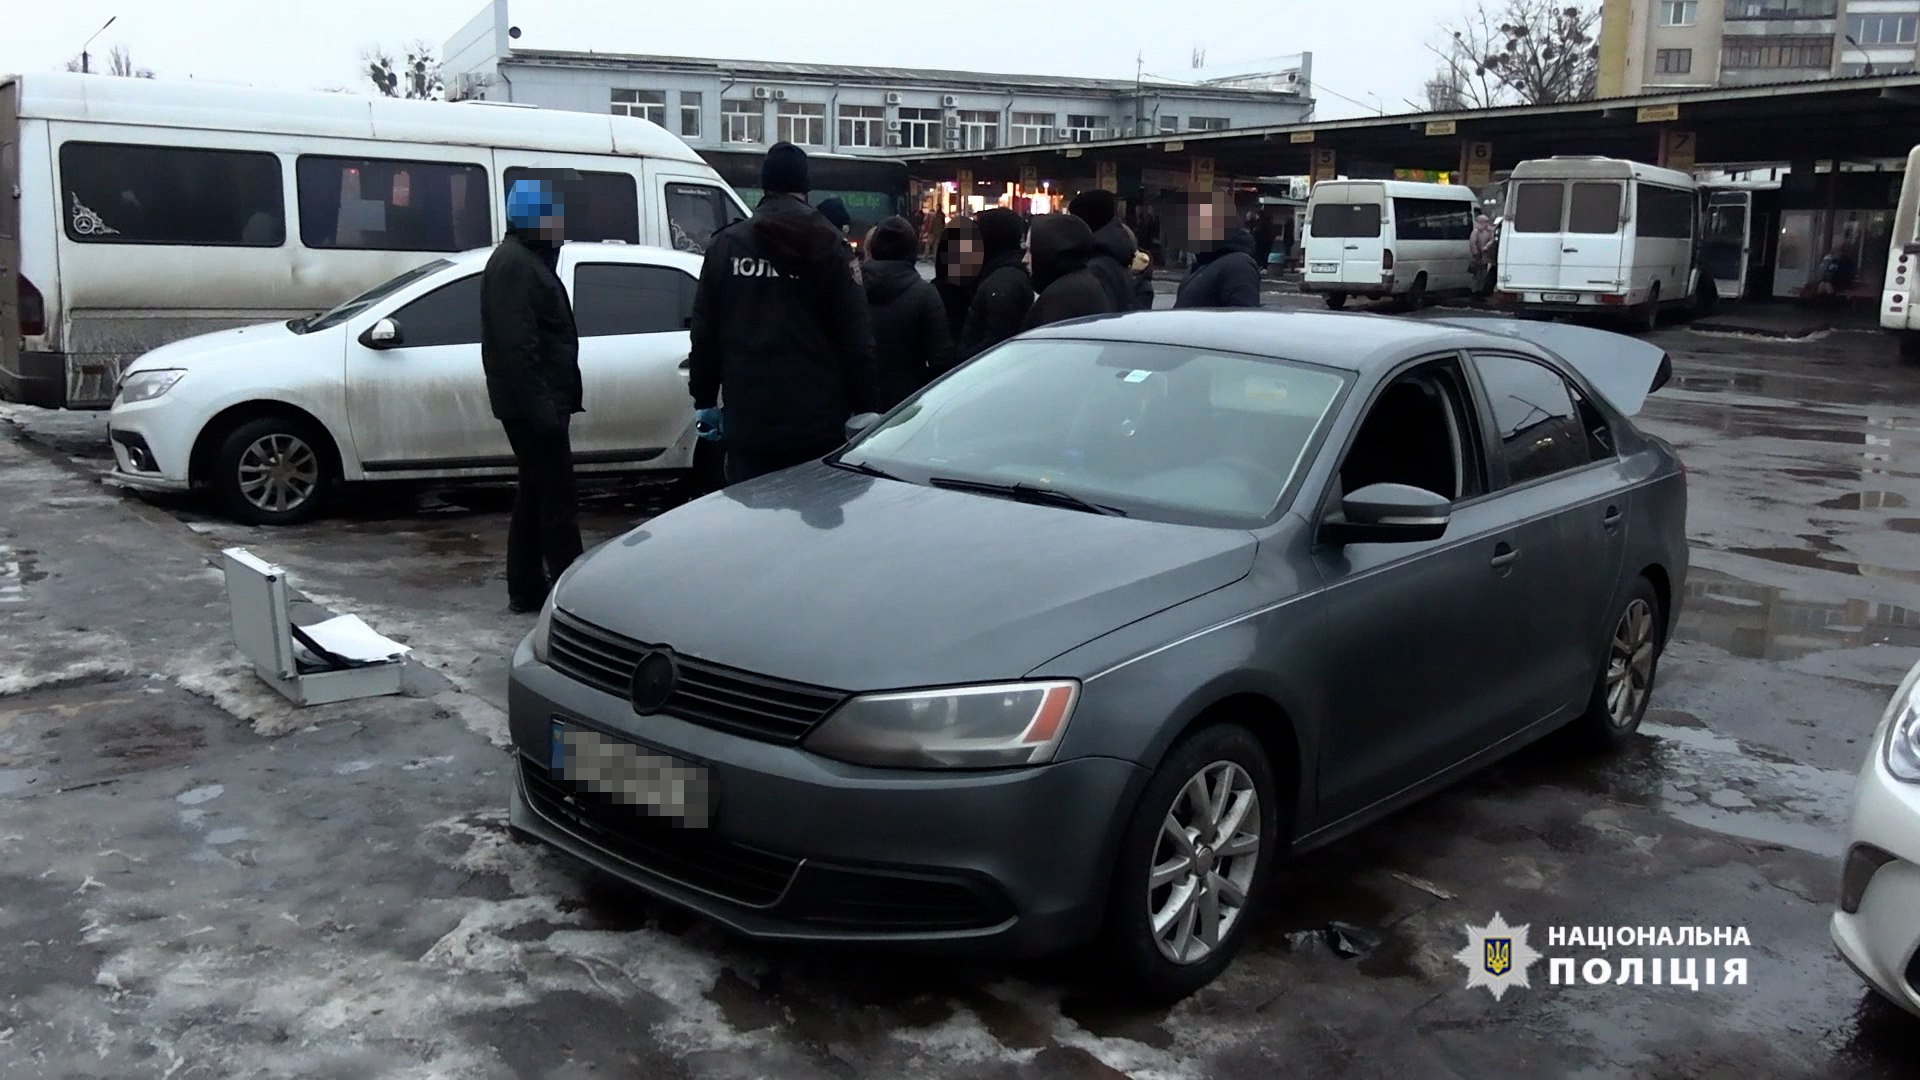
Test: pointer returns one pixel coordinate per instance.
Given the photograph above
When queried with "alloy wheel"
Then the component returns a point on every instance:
(1630, 664)
(278, 472)
(1203, 862)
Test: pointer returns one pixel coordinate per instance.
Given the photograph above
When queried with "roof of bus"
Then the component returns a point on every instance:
(1401, 187)
(1597, 168)
(181, 104)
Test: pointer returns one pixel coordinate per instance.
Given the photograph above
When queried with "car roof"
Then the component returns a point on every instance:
(599, 251)
(1348, 341)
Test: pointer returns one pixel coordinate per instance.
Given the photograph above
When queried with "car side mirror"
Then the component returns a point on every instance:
(1389, 514)
(384, 334)
(858, 424)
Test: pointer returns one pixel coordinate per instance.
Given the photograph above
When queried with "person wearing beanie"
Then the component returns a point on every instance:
(1061, 249)
(780, 331)
(911, 344)
(1005, 293)
(1224, 273)
(1113, 249)
(530, 353)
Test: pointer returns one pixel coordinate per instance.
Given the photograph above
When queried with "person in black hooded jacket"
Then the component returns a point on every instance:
(910, 341)
(1224, 273)
(1005, 292)
(1113, 250)
(956, 271)
(781, 329)
(1061, 246)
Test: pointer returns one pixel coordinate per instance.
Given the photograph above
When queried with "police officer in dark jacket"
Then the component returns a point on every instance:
(1113, 250)
(1061, 246)
(531, 355)
(1224, 273)
(1005, 293)
(780, 331)
(911, 344)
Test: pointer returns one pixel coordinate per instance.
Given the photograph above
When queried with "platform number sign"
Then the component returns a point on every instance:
(1323, 165)
(1478, 164)
(1677, 149)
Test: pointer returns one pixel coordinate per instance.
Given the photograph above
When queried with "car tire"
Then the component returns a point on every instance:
(1156, 934)
(273, 470)
(1627, 669)
(1416, 297)
(1646, 318)
(1336, 301)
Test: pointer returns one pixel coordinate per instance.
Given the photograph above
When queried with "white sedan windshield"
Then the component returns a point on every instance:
(1158, 431)
(360, 303)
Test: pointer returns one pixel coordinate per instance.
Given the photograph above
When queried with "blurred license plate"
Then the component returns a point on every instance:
(1325, 268)
(1561, 297)
(629, 775)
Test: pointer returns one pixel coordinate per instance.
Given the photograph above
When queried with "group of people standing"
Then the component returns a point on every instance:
(794, 332)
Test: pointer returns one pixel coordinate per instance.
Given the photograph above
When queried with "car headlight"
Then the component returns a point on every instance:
(968, 727)
(1903, 730)
(147, 385)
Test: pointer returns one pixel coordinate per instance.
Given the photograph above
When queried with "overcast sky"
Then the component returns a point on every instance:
(1371, 51)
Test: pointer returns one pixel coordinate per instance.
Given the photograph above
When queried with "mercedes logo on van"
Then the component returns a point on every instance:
(653, 681)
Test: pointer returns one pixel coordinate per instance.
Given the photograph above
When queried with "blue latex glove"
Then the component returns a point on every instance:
(709, 424)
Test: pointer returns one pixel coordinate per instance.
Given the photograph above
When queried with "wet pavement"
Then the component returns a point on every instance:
(200, 880)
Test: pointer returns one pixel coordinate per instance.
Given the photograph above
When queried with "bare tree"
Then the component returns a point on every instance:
(119, 62)
(416, 77)
(1531, 52)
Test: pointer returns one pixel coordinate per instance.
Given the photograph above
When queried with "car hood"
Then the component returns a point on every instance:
(828, 577)
(216, 347)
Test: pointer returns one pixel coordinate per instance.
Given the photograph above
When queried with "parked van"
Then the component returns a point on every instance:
(151, 211)
(1898, 313)
(1380, 238)
(1598, 235)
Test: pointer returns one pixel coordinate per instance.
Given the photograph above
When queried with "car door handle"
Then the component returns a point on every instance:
(1569, 251)
(1611, 520)
(686, 364)
(1503, 557)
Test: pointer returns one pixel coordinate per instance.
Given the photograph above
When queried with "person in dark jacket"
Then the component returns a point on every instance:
(835, 211)
(1261, 228)
(780, 331)
(911, 343)
(1005, 293)
(1113, 249)
(1224, 273)
(530, 352)
(1060, 250)
(956, 271)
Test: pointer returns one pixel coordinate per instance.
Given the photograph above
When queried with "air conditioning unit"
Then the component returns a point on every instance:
(761, 93)
(1063, 133)
(893, 139)
(949, 101)
(893, 99)
(953, 142)
(779, 95)
(953, 123)
(893, 125)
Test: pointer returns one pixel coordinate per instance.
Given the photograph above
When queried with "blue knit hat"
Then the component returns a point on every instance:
(529, 201)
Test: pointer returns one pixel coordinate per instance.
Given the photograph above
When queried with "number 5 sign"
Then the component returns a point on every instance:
(1676, 149)
(1323, 165)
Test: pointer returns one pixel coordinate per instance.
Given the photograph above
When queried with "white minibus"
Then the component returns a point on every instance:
(1898, 313)
(1380, 238)
(150, 211)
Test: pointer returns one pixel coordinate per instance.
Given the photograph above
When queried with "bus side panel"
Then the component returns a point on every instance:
(1903, 254)
(10, 269)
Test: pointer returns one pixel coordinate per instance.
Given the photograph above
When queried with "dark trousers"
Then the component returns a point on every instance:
(544, 536)
(745, 465)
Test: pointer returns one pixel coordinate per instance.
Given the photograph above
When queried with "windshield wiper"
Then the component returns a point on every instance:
(862, 468)
(299, 325)
(1032, 493)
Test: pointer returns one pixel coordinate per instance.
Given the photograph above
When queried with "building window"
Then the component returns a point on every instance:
(1678, 12)
(1777, 52)
(803, 122)
(689, 114)
(123, 194)
(1085, 127)
(375, 205)
(1852, 70)
(979, 129)
(1206, 123)
(920, 128)
(1673, 61)
(645, 104)
(1031, 129)
(1781, 9)
(863, 125)
(1169, 123)
(1882, 29)
(742, 121)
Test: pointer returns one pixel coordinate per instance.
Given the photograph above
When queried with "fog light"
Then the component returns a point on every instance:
(1863, 861)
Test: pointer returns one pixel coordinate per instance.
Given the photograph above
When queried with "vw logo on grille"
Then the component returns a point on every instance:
(653, 680)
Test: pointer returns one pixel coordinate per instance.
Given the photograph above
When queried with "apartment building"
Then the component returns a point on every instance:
(1651, 45)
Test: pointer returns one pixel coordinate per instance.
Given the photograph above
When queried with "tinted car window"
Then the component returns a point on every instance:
(355, 306)
(380, 205)
(1664, 212)
(1432, 219)
(599, 205)
(1338, 220)
(449, 315)
(1538, 417)
(695, 212)
(611, 298)
(1594, 209)
(1536, 207)
(119, 193)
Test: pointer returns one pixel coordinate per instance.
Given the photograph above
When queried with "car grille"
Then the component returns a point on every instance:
(723, 698)
(697, 858)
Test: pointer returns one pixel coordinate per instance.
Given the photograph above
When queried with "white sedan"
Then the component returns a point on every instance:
(1877, 924)
(388, 386)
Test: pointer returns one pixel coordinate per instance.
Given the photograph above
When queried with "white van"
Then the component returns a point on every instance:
(1600, 235)
(1379, 238)
(151, 211)
(1898, 313)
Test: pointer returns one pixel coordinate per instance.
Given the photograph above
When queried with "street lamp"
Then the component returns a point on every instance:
(84, 68)
(1863, 53)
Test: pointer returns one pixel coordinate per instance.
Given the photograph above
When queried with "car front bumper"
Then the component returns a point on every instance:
(803, 848)
(1880, 938)
(152, 443)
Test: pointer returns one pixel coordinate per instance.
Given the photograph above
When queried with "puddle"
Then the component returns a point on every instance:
(1761, 622)
(1866, 500)
(1822, 553)
(1911, 526)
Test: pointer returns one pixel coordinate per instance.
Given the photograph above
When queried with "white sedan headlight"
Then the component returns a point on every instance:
(147, 385)
(967, 727)
(1903, 730)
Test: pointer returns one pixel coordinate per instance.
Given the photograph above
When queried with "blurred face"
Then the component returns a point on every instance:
(553, 228)
(965, 256)
(1206, 221)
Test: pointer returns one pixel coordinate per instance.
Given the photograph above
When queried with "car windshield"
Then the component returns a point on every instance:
(359, 303)
(1164, 432)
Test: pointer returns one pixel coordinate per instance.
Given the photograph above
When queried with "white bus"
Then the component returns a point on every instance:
(1380, 238)
(1600, 235)
(150, 211)
(1898, 313)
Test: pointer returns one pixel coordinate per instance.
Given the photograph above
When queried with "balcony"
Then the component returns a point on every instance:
(1781, 10)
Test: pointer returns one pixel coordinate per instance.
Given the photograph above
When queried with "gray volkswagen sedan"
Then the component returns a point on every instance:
(1090, 635)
